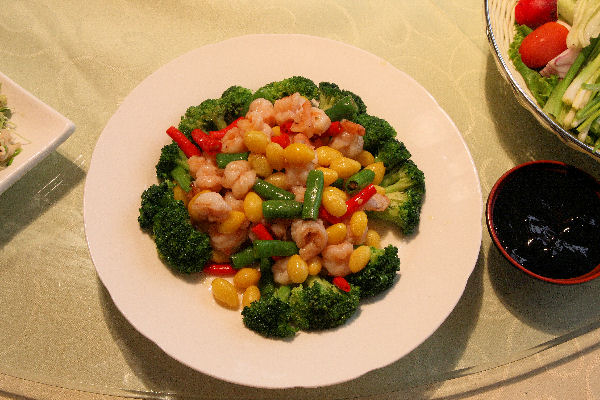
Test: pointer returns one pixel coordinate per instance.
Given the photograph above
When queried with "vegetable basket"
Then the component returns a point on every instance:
(500, 30)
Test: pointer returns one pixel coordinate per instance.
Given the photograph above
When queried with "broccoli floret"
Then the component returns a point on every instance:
(392, 154)
(315, 305)
(405, 187)
(271, 315)
(216, 114)
(379, 274)
(172, 164)
(406, 176)
(318, 304)
(154, 199)
(377, 132)
(404, 210)
(286, 87)
(178, 243)
(236, 100)
(338, 103)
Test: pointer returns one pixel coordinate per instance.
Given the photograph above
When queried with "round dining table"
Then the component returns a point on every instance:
(63, 337)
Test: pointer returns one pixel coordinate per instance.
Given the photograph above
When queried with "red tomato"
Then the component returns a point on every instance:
(534, 13)
(543, 44)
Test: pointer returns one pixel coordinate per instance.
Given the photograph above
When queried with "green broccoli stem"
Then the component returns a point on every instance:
(182, 177)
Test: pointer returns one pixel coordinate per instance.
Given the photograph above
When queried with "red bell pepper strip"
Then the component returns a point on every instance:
(261, 232)
(358, 200)
(221, 132)
(207, 143)
(353, 204)
(286, 127)
(188, 148)
(341, 284)
(219, 269)
(283, 140)
(334, 129)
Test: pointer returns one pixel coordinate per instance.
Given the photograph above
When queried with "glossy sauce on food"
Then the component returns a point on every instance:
(548, 220)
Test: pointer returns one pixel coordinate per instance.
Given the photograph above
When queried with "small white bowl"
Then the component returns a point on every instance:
(500, 29)
(41, 127)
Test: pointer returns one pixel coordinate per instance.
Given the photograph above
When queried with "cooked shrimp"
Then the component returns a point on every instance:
(336, 257)
(291, 108)
(227, 243)
(379, 202)
(209, 206)
(350, 145)
(310, 237)
(239, 177)
(261, 111)
(298, 192)
(280, 274)
(296, 174)
(317, 123)
(255, 124)
(280, 228)
(306, 119)
(233, 141)
(352, 127)
(206, 173)
(235, 204)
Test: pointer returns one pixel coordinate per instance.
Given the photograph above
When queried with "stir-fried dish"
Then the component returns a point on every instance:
(270, 194)
(9, 145)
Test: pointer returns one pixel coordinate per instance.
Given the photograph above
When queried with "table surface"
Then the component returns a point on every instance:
(62, 333)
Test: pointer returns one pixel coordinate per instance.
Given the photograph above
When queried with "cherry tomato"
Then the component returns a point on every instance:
(534, 13)
(543, 44)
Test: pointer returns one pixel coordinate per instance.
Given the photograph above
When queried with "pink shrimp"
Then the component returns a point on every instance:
(310, 237)
(296, 174)
(336, 257)
(261, 111)
(280, 273)
(208, 206)
(227, 243)
(239, 177)
(233, 141)
(206, 173)
(306, 119)
(350, 142)
(379, 202)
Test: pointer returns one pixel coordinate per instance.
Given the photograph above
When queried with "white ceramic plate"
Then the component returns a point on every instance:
(41, 129)
(179, 314)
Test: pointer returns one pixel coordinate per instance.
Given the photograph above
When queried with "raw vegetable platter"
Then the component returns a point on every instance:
(179, 314)
(501, 29)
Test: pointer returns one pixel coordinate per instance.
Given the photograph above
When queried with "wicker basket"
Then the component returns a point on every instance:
(500, 22)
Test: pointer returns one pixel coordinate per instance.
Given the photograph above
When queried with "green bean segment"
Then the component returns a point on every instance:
(313, 194)
(359, 180)
(243, 258)
(225, 158)
(269, 191)
(274, 248)
(289, 209)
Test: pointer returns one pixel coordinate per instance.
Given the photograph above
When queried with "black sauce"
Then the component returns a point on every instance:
(548, 220)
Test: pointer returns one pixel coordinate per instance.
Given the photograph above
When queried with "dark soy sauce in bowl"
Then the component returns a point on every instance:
(545, 218)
